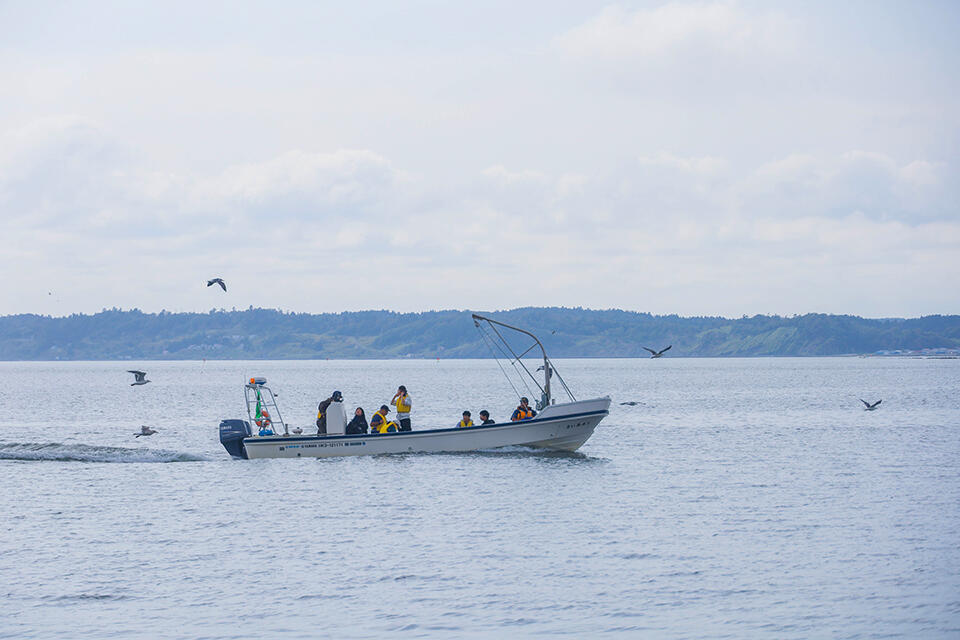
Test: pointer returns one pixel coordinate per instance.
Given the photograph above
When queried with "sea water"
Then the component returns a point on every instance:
(739, 498)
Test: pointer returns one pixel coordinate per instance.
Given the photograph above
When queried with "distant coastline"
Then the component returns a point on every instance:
(567, 332)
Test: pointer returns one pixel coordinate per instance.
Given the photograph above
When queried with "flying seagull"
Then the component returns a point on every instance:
(870, 407)
(141, 378)
(631, 403)
(657, 354)
(144, 431)
(218, 281)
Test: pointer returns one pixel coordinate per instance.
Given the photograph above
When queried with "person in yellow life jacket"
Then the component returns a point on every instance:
(403, 403)
(466, 421)
(379, 422)
(524, 411)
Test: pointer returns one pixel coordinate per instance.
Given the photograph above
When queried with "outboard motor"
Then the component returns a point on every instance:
(232, 433)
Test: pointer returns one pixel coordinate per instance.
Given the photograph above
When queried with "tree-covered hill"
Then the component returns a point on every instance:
(266, 333)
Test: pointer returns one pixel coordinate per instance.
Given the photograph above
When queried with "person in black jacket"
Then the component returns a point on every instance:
(485, 417)
(359, 422)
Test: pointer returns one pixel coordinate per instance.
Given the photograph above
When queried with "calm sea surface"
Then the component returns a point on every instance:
(742, 498)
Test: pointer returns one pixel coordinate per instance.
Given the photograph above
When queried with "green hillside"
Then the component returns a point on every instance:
(265, 333)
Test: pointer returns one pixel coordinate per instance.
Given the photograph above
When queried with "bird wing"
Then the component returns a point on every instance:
(877, 403)
(867, 404)
(210, 283)
(139, 375)
(222, 284)
(667, 349)
(650, 350)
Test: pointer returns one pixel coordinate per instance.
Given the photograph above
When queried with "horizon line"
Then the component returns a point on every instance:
(251, 308)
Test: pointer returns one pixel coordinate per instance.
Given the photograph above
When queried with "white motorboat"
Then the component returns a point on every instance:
(557, 426)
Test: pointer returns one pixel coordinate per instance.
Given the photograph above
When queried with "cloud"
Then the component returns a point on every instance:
(354, 179)
(54, 165)
(677, 227)
(855, 181)
(617, 33)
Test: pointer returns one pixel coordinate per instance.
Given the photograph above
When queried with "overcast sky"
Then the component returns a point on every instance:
(706, 158)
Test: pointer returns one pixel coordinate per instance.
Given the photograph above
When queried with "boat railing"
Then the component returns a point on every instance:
(258, 395)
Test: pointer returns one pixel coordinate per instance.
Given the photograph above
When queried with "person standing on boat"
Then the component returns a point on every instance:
(485, 418)
(403, 403)
(322, 412)
(466, 421)
(524, 411)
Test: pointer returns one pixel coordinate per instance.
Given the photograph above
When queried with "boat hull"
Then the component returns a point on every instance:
(563, 427)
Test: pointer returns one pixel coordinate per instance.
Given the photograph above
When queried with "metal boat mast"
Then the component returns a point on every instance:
(545, 400)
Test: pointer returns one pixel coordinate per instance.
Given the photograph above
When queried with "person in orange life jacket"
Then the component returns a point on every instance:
(322, 412)
(264, 424)
(379, 422)
(485, 417)
(466, 421)
(403, 403)
(524, 411)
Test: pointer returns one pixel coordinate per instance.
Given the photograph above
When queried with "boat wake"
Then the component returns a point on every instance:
(60, 452)
(520, 451)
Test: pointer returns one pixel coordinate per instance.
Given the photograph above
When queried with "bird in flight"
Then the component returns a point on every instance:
(631, 403)
(218, 281)
(141, 378)
(870, 407)
(657, 354)
(144, 431)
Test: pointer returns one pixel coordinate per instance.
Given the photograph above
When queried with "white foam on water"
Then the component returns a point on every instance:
(60, 452)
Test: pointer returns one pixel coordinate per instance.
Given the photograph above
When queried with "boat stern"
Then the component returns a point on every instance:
(232, 433)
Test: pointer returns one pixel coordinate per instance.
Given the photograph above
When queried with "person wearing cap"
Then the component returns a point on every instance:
(466, 421)
(523, 412)
(403, 403)
(336, 396)
(485, 418)
(379, 422)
